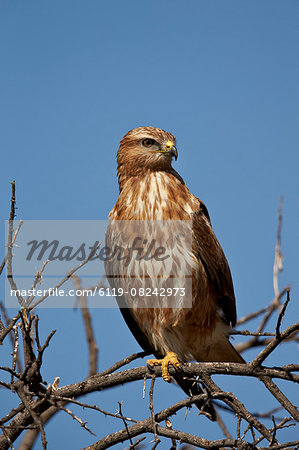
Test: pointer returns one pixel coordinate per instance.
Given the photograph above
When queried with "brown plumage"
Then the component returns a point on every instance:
(154, 202)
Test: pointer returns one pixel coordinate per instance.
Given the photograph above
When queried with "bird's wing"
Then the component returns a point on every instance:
(210, 254)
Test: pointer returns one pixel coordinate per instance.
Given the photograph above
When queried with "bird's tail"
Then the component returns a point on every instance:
(223, 351)
(233, 354)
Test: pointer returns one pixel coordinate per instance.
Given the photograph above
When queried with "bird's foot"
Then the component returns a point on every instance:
(170, 358)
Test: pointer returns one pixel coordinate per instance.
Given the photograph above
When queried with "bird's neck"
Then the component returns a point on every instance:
(130, 175)
(134, 174)
(152, 195)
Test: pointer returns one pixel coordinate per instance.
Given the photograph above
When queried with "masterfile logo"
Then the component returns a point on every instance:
(45, 255)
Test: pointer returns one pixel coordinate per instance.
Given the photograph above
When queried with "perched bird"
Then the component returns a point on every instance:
(154, 204)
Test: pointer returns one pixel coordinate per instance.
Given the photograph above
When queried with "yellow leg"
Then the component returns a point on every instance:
(170, 358)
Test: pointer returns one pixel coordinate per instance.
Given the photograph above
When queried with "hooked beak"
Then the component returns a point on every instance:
(171, 149)
(174, 152)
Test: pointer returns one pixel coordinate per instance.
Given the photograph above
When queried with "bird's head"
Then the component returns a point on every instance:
(146, 148)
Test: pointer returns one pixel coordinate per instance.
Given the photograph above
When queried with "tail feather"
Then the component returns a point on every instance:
(222, 351)
(235, 354)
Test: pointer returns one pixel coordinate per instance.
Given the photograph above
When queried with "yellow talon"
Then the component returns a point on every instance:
(170, 358)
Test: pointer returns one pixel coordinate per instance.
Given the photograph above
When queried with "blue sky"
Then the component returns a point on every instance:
(222, 76)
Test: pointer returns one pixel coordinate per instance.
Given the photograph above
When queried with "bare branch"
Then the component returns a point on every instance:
(255, 341)
(277, 266)
(251, 316)
(223, 427)
(283, 400)
(250, 333)
(37, 279)
(11, 216)
(15, 351)
(82, 424)
(232, 401)
(94, 407)
(34, 416)
(12, 336)
(32, 434)
(9, 256)
(151, 406)
(9, 327)
(283, 424)
(124, 362)
(272, 345)
(92, 345)
(6, 437)
(125, 423)
(281, 314)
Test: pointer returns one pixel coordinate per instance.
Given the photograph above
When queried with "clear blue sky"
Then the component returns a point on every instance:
(223, 77)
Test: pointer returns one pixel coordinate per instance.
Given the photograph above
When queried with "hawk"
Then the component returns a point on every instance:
(153, 201)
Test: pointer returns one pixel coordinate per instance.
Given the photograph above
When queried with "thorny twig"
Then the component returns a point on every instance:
(80, 421)
(125, 423)
(94, 407)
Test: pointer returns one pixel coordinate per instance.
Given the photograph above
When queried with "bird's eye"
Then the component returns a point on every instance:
(148, 142)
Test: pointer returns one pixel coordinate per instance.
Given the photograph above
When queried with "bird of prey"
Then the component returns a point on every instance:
(154, 203)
